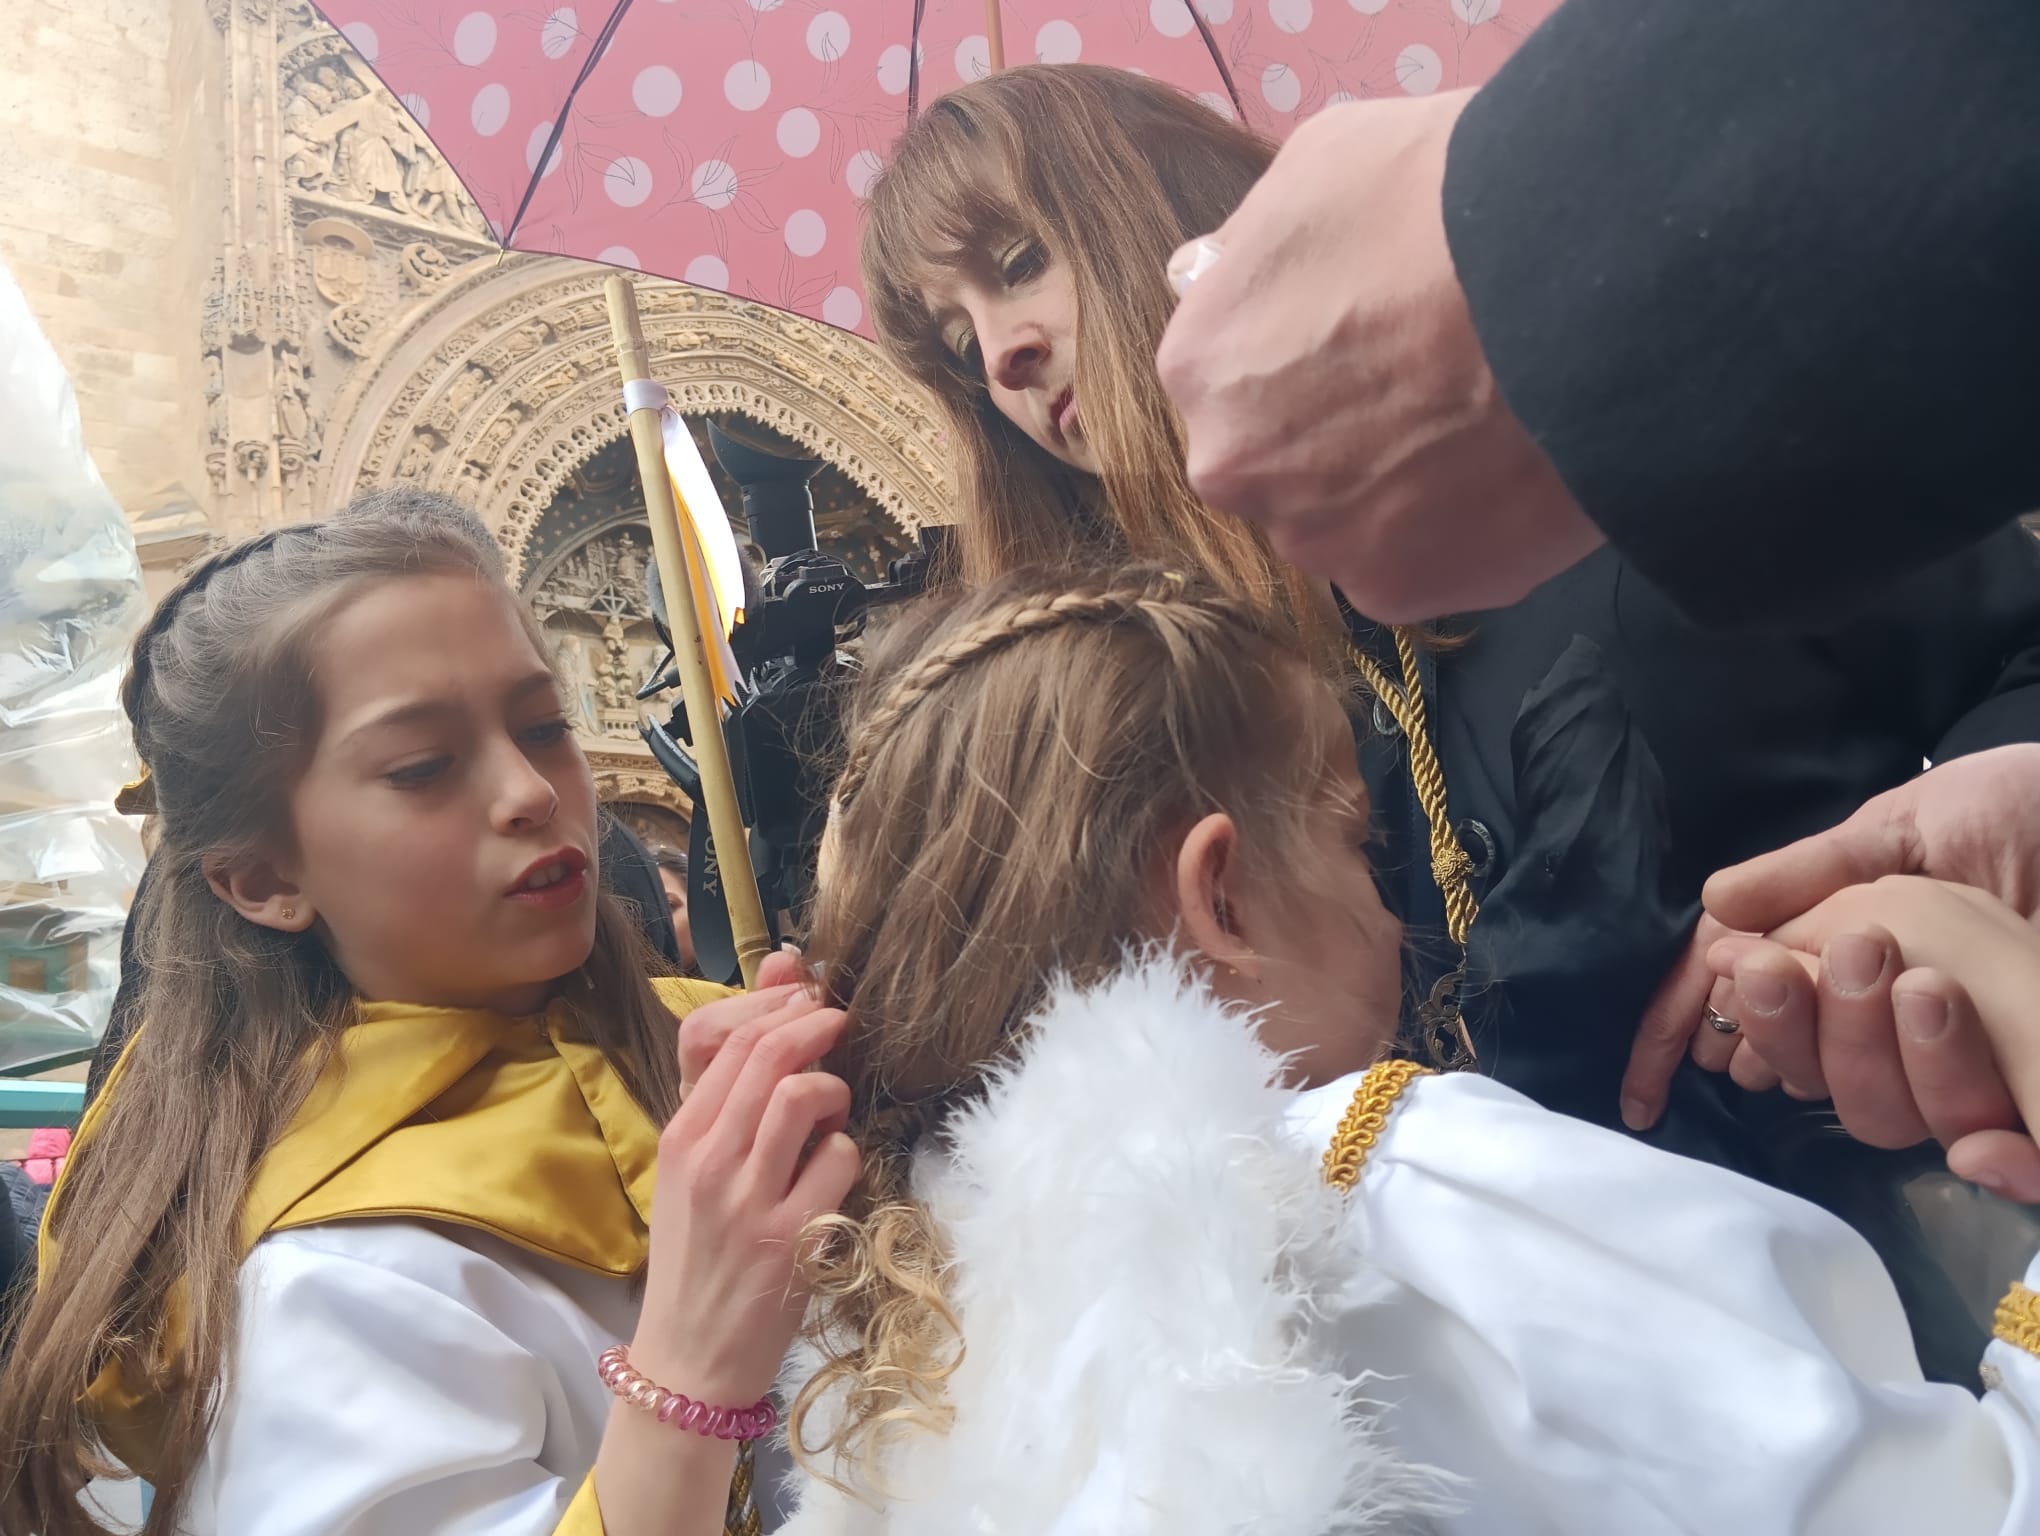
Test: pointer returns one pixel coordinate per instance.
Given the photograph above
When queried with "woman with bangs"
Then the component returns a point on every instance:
(1014, 254)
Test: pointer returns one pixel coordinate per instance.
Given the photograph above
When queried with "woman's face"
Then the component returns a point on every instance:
(1010, 317)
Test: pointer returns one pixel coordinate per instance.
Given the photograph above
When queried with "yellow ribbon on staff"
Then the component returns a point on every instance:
(714, 569)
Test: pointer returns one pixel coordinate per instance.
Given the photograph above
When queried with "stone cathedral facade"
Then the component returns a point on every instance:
(271, 292)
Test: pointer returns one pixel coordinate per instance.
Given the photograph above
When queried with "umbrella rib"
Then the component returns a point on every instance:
(559, 126)
(1217, 58)
(914, 63)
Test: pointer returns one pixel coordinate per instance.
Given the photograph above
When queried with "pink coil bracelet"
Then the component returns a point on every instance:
(679, 1410)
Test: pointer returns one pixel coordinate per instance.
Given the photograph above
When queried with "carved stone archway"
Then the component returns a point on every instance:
(501, 381)
(635, 777)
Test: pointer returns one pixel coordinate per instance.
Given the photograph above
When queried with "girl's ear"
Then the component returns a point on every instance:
(1206, 916)
(259, 892)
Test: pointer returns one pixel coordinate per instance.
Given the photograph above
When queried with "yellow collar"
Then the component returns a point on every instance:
(471, 1118)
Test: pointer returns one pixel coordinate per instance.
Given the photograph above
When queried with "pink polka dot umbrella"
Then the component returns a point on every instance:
(729, 143)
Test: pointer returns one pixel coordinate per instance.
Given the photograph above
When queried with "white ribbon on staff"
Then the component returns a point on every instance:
(713, 566)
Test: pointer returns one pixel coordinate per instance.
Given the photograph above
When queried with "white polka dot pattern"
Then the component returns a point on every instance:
(730, 143)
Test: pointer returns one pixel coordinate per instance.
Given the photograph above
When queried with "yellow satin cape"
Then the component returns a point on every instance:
(448, 1115)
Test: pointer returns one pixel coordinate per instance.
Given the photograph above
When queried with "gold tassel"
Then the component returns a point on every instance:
(742, 1516)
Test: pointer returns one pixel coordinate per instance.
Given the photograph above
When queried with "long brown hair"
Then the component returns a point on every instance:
(1111, 171)
(237, 1019)
(1017, 759)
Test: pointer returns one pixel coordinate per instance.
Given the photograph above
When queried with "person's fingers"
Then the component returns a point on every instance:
(1751, 1072)
(784, 967)
(1666, 1032)
(825, 1181)
(1723, 953)
(802, 1107)
(1948, 1059)
(701, 1108)
(706, 1030)
(1777, 1004)
(1859, 1052)
(2006, 1163)
(791, 1048)
(1714, 1046)
(1765, 892)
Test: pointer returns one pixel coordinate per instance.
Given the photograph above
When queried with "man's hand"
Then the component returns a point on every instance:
(1673, 1026)
(1974, 821)
(1333, 388)
(1899, 1051)
(1956, 970)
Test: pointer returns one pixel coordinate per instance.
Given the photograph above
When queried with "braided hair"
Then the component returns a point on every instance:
(1018, 757)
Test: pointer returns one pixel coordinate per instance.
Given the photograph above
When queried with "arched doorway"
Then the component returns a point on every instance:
(501, 383)
(584, 561)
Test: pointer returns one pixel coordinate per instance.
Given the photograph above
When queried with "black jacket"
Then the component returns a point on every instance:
(1760, 277)
(1603, 756)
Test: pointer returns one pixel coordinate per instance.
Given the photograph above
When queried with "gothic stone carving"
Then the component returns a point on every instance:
(591, 604)
(352, 329)
(509, 397)
(619, 777)
(345, 138)
(340, 254)
(425, 265)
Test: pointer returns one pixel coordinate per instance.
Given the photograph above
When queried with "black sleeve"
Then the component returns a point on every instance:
(1951, 658)
(1763, 277)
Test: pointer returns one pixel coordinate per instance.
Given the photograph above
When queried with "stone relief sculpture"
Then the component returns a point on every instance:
(341, 257)
(346, 139)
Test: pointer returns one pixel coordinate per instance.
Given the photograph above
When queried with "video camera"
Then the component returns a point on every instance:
(789, 657)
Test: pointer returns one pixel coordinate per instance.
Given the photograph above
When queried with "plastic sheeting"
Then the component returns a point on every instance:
(71, 599)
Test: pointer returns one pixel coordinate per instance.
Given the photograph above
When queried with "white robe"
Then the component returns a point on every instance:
(1518, 1325)
(398, 1378)
(394, 1378)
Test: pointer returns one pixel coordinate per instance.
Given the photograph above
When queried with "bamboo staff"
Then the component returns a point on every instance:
(704, 710)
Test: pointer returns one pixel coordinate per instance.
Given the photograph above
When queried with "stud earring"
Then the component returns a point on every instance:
(290, 914)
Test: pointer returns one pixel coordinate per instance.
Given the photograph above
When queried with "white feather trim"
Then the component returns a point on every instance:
(1136, 1243)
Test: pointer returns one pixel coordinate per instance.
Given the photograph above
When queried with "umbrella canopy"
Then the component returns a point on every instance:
(729, 143)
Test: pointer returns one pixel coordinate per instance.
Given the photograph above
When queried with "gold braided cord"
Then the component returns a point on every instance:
(1450, 866)
(742, 1517)
(1366, 1118)
(2018, 1319)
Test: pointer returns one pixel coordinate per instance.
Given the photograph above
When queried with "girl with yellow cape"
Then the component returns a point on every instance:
(361, 1236)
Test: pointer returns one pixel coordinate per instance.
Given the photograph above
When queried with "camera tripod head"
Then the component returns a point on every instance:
(806, 605)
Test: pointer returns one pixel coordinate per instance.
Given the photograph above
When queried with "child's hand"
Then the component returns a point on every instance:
(755, 1154)
(702, 1032)
(1956, 969)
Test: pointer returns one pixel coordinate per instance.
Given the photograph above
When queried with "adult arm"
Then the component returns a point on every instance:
(1757, 278)
(1748, 282)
